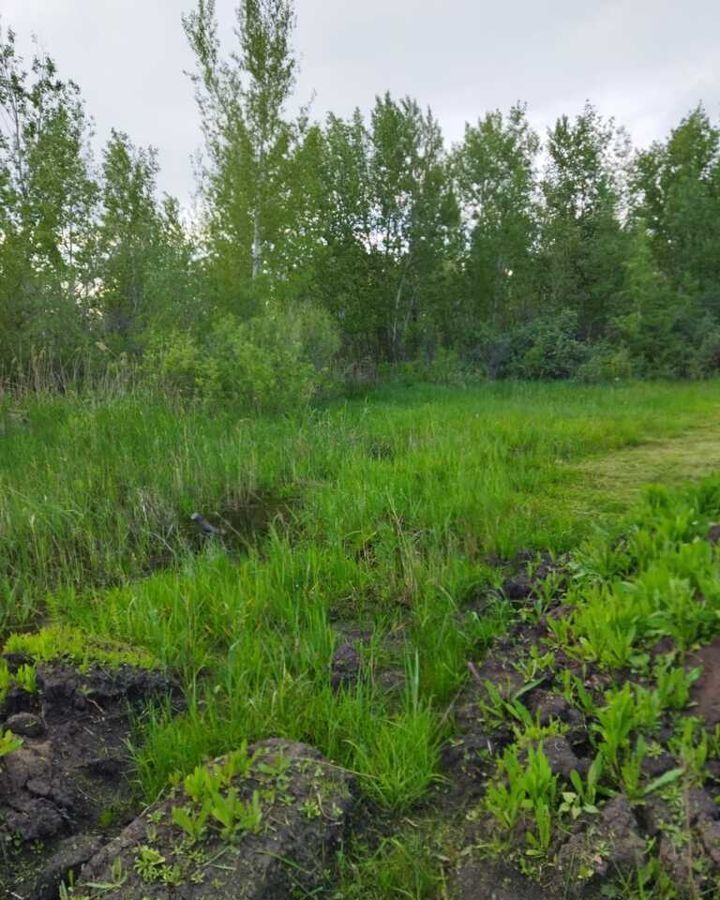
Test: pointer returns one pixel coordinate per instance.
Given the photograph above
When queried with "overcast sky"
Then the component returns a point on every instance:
(644, 61)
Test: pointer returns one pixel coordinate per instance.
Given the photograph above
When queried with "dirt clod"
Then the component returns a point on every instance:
(674, 861)
(26, 725)
(347, 659)
(709, 833)
(700, 805)
(561, 758)
(655, 766)
(305, 803)
(548, 706)
(706, 690)
(70, 855)
(531, 571)
(488, 880)
(604, 847)
(52, 797)
(519, 587)
(656, 815)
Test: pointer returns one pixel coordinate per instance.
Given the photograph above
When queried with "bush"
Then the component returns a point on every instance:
(445, 367)
(707, 359)
(276, 361)
(554, 350)
(675, 341)
(606, 363)
(546, 348)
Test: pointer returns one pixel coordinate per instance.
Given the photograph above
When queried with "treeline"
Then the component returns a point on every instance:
(350, 244)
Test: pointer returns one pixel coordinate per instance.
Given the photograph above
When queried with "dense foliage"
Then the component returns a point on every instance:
(349, 244)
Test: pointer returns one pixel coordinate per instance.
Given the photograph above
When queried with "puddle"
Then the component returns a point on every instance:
(244, 519)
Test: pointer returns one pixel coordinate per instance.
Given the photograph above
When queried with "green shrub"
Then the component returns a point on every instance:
(606, 363)
(275, 361)
(546, 348)
(553, 350)
(706, 361)
(444, 367)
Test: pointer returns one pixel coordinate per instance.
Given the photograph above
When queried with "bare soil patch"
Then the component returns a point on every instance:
(66, 788)
(303, 806)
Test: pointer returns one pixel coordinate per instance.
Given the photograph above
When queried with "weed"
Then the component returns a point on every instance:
(62, 642)
(5, 679)
(192, 820)
(673, 684)
(584, 797)
(152, 867)
(311, 808)
(631, 770)
(692, 745)
(576, 693)
(26, 678)
(404, 866)
(525, 793)
(615, 724)
(535, 665)
(9, 743)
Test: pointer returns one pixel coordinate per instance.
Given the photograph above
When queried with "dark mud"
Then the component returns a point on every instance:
(706, 690)
(66, 788)
(242, 520)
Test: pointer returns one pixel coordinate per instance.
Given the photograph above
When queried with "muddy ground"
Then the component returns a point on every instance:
(66, 789)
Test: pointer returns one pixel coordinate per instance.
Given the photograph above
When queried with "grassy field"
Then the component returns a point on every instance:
(383, 517)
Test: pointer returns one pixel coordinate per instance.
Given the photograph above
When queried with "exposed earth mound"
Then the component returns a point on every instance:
(259, 823)
(263, 822)
(64, 778)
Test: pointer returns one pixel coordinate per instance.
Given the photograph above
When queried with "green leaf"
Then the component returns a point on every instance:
(664, 780)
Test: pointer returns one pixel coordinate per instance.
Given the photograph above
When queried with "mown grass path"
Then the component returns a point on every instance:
(612, 482)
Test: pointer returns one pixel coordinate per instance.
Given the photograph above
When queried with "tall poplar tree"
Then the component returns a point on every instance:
(242, 100)
(495, 172)
(583, 245)
(678, 195)
(47, 205)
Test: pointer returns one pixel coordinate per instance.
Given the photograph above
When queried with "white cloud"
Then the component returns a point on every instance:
(644, 61)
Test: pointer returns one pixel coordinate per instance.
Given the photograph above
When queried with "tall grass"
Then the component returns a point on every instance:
(398, 503)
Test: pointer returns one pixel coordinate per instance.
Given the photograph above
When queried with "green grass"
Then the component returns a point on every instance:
(405, 866)
(382, 514)
(96, 492)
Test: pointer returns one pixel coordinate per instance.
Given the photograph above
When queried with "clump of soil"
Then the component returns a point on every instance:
(706, 690)
(531, 571)
(66, 787)
(347, 660)
(303, 804)
(352, 658)
(485, 879)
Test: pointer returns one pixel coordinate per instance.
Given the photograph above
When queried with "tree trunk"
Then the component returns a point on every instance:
(256, 245)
